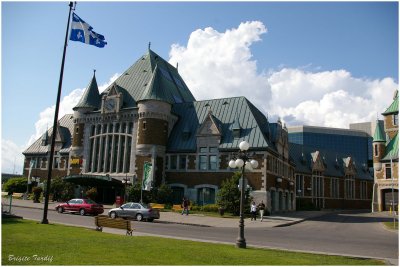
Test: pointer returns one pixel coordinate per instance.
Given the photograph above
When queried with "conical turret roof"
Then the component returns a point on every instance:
(379, 136)
(91, 97)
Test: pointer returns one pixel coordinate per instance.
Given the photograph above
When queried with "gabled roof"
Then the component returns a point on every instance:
(335, 163)
(394, 107)
(379, 136)
(65, 129)
(91, 97)
(392, 149)
(151, 77)
(226, 112)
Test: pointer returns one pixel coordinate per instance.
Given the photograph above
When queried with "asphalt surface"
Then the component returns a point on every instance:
(357, 234)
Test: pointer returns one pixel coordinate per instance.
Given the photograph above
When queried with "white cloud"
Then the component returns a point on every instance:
(216, 65)
(11, 151)
(329, 98)
(12, 159)
(46, 117)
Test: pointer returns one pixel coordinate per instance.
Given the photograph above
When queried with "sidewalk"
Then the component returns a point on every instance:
(285, 219)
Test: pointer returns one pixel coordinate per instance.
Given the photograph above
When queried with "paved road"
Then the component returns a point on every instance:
(360, 234)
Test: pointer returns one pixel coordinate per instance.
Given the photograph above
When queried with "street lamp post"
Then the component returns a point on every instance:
(239, 160)
(126, 182)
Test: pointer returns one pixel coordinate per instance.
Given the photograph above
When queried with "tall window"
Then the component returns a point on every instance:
(317, 184)
(395, 119)
(203, 163)
(172, 165)
(388, 171)
(110, 147)
(299, 185)
(182, 162)
(335, 188)
(208, 158)
(363, 190)
(349, 187)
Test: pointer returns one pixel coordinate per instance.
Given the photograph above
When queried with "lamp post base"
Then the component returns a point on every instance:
(240, 243)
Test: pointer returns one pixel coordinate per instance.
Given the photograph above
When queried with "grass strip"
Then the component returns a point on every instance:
(27, 242)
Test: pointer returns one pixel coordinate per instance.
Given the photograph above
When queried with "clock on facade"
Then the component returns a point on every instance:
(109, 104)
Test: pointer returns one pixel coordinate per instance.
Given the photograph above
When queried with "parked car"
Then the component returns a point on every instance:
(138, 211)
(81, 205)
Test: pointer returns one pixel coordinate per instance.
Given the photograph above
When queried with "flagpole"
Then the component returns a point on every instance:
(53, 138)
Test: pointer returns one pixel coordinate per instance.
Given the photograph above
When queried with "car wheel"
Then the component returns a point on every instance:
(60, 210)
(82, 212)
(113, 215)
(139, 217)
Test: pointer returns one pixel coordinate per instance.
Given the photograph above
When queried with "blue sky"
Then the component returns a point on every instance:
(299, 58)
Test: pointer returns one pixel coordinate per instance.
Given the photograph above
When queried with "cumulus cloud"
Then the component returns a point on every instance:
(329, 98)
(12, 159)
(46, 117)
(45, 121)
(215, 65)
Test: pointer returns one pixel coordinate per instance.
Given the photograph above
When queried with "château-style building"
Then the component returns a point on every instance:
(148, 116)
(386, 159)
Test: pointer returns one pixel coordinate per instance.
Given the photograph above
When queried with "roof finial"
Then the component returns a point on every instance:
(94, 72)
(149, 45)
(177, 65)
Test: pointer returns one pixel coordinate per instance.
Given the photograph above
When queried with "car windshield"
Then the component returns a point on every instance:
(89, 201)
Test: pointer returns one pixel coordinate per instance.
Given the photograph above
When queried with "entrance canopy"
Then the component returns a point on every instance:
(93, 180)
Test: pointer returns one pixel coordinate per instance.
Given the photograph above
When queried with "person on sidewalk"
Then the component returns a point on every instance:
(261, 208)
(253, 210)
(185, 206)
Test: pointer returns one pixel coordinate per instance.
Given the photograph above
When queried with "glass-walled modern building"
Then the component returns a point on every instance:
(343, 141)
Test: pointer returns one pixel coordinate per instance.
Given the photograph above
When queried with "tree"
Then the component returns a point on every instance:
(16, 185)
(92, 193)
(228, 196)
(61, 190)
(164, 194)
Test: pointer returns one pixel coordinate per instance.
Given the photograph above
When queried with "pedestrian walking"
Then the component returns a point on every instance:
(261, 208)
(253, 210)
(185, 206)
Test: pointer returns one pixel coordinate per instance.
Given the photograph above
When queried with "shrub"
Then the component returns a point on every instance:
(229, 195)
(91, 193)
(37, 191)
(16, 185)
(210, 208)
(61, 190)
(163, 194)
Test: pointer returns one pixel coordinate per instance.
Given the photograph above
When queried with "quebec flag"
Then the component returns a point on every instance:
(83, 32)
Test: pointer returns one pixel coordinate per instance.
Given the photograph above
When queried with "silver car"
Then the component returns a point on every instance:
(138, 211)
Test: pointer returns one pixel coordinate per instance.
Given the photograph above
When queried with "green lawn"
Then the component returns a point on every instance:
(65, 245)
(391, 225)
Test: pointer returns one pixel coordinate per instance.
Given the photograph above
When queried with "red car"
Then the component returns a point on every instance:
(83, 206)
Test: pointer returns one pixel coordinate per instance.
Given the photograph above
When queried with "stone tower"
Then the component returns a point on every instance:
(89, 102)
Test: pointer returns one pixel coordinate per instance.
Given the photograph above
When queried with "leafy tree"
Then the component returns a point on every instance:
(229, 195)
(92, 193)
(16, 185)
(164, 194)
(61, 190)
(135, 191)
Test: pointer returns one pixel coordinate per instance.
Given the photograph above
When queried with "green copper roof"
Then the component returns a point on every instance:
(334, 162)
(91, 97)
(151, 77)
(227, 113)
(392, 149)
(394, 107)
(379, 136)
